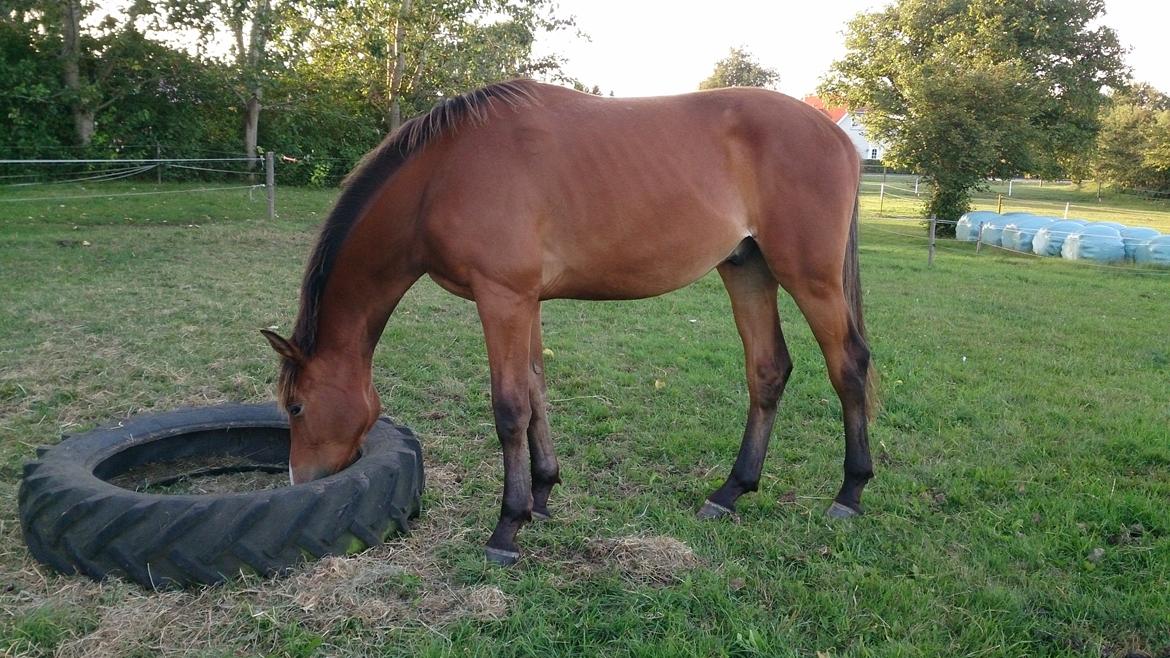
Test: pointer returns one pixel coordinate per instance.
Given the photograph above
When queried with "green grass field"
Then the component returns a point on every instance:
(1023, 455)
(902, 201)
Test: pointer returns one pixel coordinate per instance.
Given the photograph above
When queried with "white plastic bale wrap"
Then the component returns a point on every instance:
(1049, 240)
(992, 231)
(1019, 232)
(970, 224)
(1096, 242)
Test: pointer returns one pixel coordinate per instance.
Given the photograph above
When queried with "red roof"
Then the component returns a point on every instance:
(834, 113)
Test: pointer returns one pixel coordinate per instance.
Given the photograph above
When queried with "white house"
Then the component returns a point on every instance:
(850, 122)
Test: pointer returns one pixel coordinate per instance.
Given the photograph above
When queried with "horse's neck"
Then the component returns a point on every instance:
(374, 269)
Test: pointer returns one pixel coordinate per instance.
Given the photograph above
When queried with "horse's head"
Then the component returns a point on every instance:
(331, 405)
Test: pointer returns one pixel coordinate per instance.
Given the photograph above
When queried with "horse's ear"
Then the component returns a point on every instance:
(282, 346)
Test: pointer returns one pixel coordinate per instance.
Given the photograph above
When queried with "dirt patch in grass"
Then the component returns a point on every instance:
(649, 560)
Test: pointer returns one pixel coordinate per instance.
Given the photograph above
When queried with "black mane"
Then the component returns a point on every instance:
(363, 183)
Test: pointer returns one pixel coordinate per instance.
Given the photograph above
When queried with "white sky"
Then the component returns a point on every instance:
(650, 47)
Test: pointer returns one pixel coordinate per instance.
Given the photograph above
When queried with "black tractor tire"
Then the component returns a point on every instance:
(74, 520)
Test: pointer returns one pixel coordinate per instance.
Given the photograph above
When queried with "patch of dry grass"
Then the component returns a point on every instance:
(648, 560)
(396, 585)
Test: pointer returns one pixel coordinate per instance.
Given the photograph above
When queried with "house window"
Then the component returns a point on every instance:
(873, 155)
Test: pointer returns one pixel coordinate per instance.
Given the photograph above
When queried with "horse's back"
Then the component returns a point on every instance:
(632, 197)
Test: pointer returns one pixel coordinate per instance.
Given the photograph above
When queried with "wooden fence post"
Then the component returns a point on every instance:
(930, 254)
(270, 184)
(999, 206)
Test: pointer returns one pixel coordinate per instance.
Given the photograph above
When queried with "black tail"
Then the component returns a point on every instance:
(851, 280)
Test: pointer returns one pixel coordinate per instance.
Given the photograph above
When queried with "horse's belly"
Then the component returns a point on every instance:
(625, 272)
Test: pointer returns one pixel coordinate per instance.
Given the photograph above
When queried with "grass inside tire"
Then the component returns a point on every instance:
(76, 521)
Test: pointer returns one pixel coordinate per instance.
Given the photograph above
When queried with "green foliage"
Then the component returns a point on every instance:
(448, 47)
(30, 95)
(963, 91)
(740, 69)
(320, 66)
(1133, 147)
(143, 93)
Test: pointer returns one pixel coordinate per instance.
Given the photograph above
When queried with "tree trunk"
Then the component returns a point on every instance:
(83, 117)
(252, 126)
(250, 61)
(395, 90)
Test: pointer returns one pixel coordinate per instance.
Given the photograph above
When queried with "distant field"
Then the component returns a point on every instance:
(1020, 507)
(900, 200)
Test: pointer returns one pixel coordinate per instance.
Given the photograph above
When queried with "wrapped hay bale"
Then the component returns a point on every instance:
(1117, 225)
(992, 231)
(1096, 242)
(1019, 232)
(1156, 251)
(970, 224)
(1049, 240)
(1134, 237)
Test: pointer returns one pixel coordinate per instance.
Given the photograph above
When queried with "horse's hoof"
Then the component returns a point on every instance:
(500, 557)
(711, 510)
(839, 511)
(538, 515)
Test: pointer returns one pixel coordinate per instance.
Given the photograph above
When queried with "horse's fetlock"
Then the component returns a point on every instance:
(863, 474)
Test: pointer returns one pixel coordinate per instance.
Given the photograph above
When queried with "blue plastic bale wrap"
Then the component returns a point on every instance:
(1096, 242)
(1117, 225)
(992, 231)
(1049, 240)
(1134, 237)
(1018, 234)
(968, 227)
(1154, 252)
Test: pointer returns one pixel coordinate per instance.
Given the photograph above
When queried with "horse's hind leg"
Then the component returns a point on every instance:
(752, 289)
(545, 469)
(823, 304)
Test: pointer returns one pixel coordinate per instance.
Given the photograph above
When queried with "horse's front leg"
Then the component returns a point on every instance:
(507, 325)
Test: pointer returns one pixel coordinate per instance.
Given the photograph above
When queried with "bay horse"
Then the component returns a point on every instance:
(520, 192)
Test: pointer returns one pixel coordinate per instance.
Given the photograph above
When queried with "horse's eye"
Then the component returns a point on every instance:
(295, 409)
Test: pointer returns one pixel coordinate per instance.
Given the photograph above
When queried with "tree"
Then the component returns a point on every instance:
(251, 24)
(98, 63)
(406, 54)
(964, 90)
(740, 69)
(35, 120)
(1133, 147)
